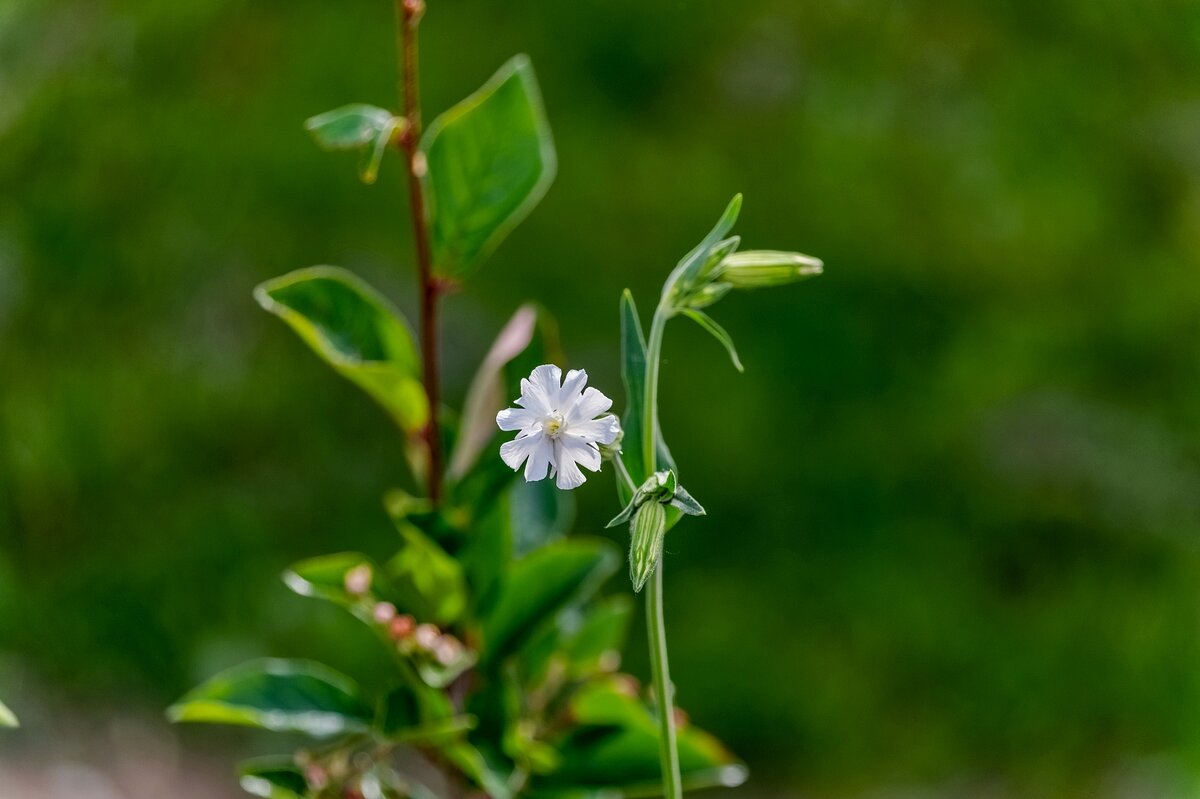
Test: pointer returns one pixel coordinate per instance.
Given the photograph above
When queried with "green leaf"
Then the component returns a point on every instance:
(616, 746)
(280, 695)
(357, 332)
(7, 717)
(688, 269)
(324, 577)
(539, 585)
(401, 720)
(633, 373)
(708, 323)
(541, 513)
(596, 644)
(357, 127)
(428, 582)
(272, 778)
(490, 160)
(471, 762)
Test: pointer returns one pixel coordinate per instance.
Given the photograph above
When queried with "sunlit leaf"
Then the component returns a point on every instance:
(357, 127)
(490, 160)
(357, 332)
(7, 717)
(280, 695)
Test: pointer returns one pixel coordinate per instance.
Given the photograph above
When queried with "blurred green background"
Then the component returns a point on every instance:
(954, 501)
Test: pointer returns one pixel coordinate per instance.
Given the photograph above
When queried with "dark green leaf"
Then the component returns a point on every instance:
(428, 582)
(596, 644)
(280, 695)
(357, 332)
(541, 513)
(616, 746)
(490, 160)
(719, 333)
(402, 720)
(273, 778)
(541, 584)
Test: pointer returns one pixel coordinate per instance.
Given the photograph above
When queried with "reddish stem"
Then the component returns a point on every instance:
(408, 18)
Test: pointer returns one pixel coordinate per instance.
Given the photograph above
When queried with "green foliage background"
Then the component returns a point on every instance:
(954, 502)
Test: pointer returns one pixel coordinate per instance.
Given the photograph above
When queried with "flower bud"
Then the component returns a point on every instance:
(765, 268)
(383, 612)
(646, 539)
(610, 451)
(401, 627)
(358, 579)
(427, 636)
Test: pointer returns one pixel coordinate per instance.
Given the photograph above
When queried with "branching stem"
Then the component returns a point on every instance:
(408, 20)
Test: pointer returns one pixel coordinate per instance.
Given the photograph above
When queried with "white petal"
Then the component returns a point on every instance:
(540, 392)
(511, 419)
(571, 388)
(539, 460)
(591, 405)
(574, 449)
(601, 431)
(516, 451)
(569, 475)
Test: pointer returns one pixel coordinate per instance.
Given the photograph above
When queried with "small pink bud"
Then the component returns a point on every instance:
(384, 612)
(447, 650)
(401, 627)
(316, 777)
(427, 636)
(358, 579)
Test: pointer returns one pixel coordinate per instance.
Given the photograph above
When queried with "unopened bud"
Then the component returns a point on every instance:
(401, 627)
(316, 777)
(610, 451)
(383, 612)
(645, 542)
(766, 268)
(358, 579)
(447, 650)
(426, 636)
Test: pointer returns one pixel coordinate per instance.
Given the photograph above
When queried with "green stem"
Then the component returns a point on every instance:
(656, 626)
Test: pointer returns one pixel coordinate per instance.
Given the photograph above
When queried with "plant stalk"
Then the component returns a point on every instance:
(408, 19)
(656, 626)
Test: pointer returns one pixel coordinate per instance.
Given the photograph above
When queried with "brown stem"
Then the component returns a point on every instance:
(408, 18)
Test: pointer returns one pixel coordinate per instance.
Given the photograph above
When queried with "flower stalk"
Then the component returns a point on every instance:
(660, 669)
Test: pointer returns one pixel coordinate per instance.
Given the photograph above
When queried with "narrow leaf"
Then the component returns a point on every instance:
(687, 503)
(490, 160)
(688, 268)
(279, 695)
(633, 373)
(705, 321)
(349, 127)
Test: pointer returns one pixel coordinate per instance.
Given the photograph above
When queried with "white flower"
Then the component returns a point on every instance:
(558, 426)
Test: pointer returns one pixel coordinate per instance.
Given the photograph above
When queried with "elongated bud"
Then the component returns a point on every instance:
(765, 268)
(645, 544)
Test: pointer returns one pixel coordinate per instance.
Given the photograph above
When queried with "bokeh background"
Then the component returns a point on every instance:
(954, 501)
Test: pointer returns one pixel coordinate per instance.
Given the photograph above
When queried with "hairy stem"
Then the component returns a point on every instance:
(408, 19)
(656, 626)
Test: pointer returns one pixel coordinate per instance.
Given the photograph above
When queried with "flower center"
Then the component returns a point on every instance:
(554, 425)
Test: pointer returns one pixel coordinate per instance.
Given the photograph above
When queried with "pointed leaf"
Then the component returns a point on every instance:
(541, 584)
(708, 323)
(280, 695)
(349, 127)
(690, 267)
(428, 582)
(490, 160)
(356, 331)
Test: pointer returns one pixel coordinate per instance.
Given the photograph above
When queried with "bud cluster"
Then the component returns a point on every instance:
(411, 638)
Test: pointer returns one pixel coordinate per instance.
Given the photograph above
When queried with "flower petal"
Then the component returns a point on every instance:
(539, 460)
(589, 406)
(511, 419)
(573, 448)
(600, 431)
(569, 475)
(572, 386)
(516, 451)
(539, 393)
